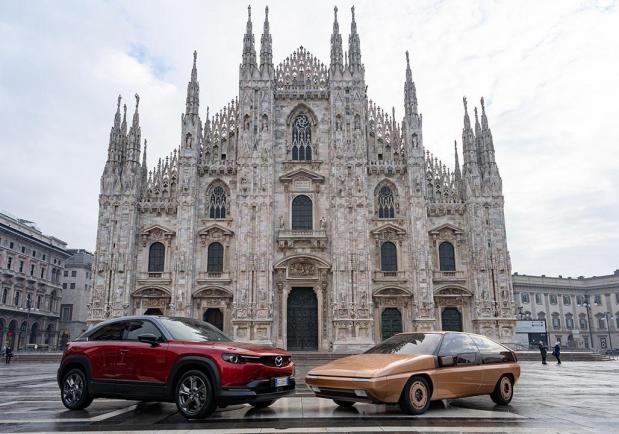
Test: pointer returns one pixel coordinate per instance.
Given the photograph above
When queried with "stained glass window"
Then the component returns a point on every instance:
(217, 204)
(302, 213)
(388, 257)
(447, 256)
(301, 138)
(386, 203)
(156, 257)
(215, 258)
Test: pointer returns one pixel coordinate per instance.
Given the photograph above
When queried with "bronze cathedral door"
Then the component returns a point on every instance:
(302, 320)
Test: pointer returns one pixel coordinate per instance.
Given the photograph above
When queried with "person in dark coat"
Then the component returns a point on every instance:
(556, 351)
(543, 350)
(8, 353)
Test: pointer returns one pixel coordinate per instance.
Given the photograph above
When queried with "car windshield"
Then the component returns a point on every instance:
(413, 343)
(186, 329)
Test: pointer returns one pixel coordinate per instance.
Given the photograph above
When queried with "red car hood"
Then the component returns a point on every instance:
(243, 348)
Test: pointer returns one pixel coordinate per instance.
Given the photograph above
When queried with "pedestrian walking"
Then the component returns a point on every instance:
(543, 350)
(556, 351)
(8, 354)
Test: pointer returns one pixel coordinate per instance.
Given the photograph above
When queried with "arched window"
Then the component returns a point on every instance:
(156, 258)
(302, 213)
(217, 203)
(388, 257)
(301, 138)
(447, 257)
(215, 258)
(386, 203)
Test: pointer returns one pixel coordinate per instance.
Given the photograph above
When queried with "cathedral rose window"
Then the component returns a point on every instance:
(301, 138)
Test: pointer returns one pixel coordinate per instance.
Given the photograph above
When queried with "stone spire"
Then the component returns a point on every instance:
(193, 89)
(354, 45)
(122, 144)
(266, 45)
(113, 150)
(135, 136)
(486, 149)
(249, 51)
(144, 166)
(410, 92)
(337, 57)
(457, 172)
(469, 149)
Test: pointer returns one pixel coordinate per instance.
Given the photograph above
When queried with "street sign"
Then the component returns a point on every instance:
(530, 326)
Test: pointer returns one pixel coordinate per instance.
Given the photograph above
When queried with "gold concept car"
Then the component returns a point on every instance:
(413, 369)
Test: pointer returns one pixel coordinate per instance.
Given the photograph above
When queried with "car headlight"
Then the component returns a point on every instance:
(238, 358)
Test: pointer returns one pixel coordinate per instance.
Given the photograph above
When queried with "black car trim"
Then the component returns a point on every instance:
(128, 389)
(254, 391)
(79, 359)
(204, 362)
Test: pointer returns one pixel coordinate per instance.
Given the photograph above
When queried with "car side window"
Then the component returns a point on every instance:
(110, 332)
(454, 344)
(486, 345)
(139, 327)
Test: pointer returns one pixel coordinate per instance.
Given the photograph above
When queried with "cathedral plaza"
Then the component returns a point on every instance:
(304, 215)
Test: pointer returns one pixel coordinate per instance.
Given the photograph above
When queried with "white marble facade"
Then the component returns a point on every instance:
(302, 189)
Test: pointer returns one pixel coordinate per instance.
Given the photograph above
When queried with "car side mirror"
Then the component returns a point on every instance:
(149, 338)
(445, 361)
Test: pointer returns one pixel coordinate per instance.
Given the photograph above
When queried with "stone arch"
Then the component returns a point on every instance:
(151, 297)
(450, 298)
(213, 297)
(302, 129)
(322, 263)
(34, 332)
(386, 322)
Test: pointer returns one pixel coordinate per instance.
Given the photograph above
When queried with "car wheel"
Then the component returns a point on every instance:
(262, 404)
(194, 395)
(503, 391)
(343, 403)
(74, 390)
(416, 396)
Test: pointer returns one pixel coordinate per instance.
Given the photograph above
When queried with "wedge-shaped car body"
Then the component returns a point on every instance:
(413, 369)
(181, 360)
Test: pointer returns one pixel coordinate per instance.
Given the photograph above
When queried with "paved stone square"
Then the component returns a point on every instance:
(575, 397)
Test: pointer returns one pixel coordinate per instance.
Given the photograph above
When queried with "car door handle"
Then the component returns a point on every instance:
(124, 351)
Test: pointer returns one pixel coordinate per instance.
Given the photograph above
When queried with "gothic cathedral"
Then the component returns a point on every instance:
(303, 215)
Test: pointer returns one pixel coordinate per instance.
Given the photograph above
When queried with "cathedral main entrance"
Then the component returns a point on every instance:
(302, 320)
(391, 322)
(451, 319)
(215, 317)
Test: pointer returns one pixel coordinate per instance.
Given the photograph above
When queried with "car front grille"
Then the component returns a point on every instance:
(271, 361)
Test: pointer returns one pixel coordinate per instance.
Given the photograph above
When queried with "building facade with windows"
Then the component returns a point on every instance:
(31, 268)
(579, 313)
(76, 288)
(304, 215)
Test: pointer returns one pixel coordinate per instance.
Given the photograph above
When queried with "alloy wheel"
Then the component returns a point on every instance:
(192, 395)
(418, 395)
(73, 389)
(506, 388)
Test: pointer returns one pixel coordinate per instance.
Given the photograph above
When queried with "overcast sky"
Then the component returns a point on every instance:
(549, 72)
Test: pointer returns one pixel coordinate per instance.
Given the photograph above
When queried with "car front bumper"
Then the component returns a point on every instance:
(255, 391)
(374, 390)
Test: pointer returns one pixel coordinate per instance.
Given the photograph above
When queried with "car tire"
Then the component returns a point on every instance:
(503, 391)
(74, 390)
(262, 404)
(346, 404)
(416, 396)
(194, 395)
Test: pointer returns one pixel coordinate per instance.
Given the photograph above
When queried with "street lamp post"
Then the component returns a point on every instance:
(587, 306)
(608, 315)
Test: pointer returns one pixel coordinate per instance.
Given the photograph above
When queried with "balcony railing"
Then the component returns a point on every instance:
(390, 276)
(214, 276)
(313, 239)
(449, 276)
(155, 277)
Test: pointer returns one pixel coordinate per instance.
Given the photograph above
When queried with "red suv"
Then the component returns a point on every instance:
(158, 358)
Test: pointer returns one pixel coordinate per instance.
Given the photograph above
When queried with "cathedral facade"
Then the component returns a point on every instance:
(303, 215)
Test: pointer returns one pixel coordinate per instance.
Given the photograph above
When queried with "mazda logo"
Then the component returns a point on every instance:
(279, 360)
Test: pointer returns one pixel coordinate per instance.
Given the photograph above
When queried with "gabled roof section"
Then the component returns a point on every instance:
(301, 172)
(389, 227)
(302, 72)
(449, 226)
